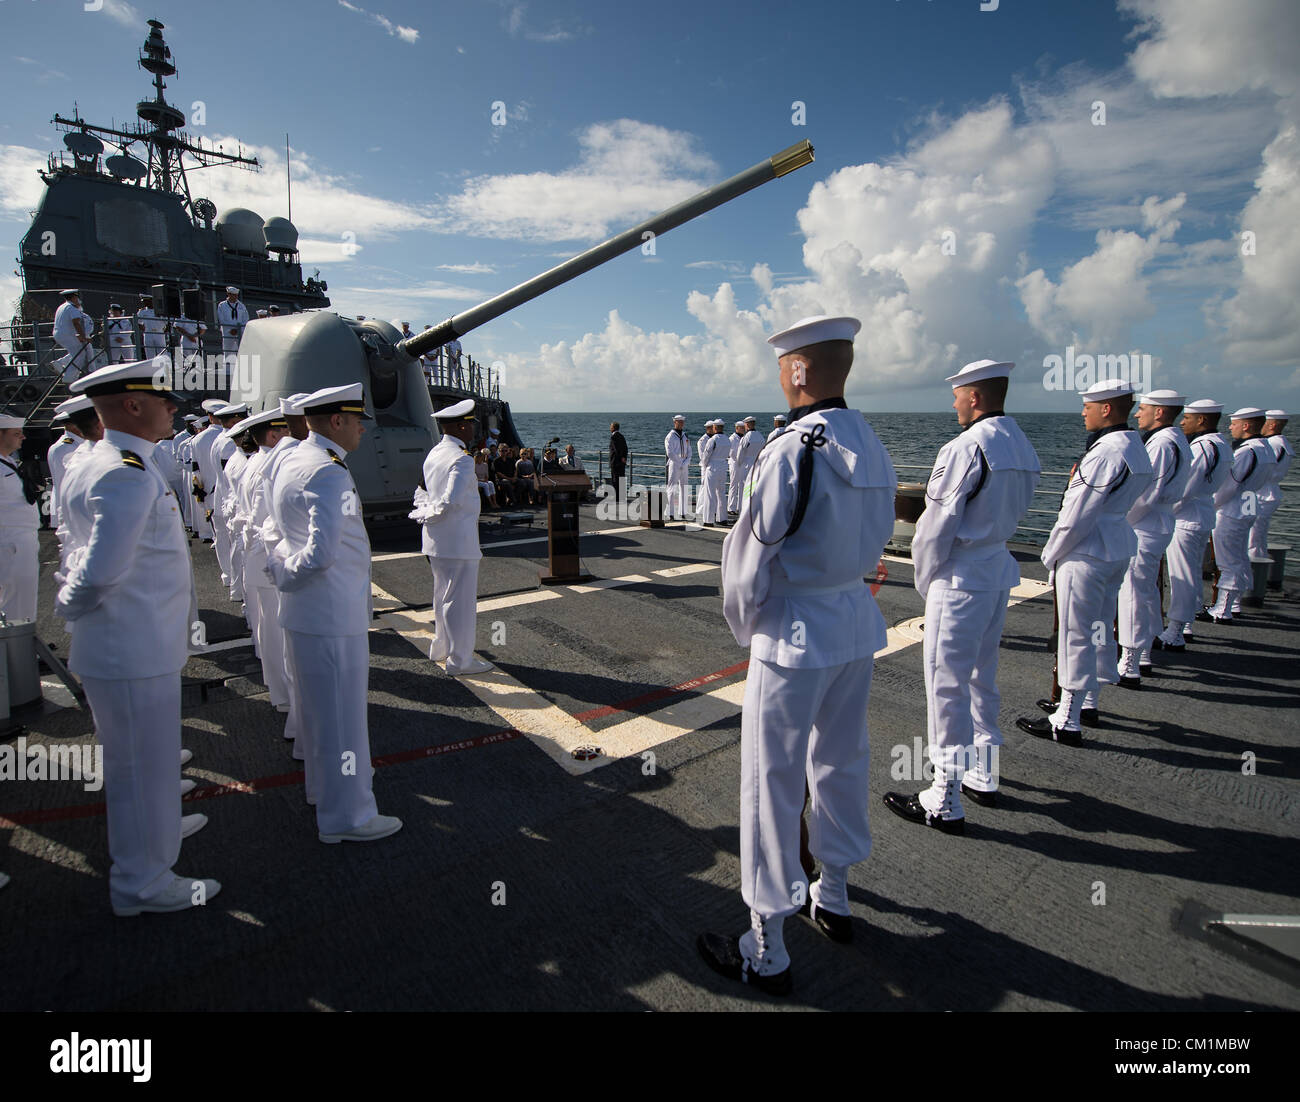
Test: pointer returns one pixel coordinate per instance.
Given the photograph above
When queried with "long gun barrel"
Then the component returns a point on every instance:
(778, 165)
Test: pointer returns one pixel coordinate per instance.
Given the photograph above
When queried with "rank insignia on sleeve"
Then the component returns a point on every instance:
(130, 459)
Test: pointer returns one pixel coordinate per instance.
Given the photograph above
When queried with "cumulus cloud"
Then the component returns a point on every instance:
(395, 30)
(468, 269)
(122, 12)
(20, 185)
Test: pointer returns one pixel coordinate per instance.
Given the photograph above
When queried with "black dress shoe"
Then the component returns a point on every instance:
(1087, 716)
(1175, 648)
(1130, 682)
(909, 808)
(985, 799)
(1146, 671)
(1042, 728)
(836, 927)
(723, 955)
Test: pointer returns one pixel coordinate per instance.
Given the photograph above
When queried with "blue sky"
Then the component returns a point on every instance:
(965, 201)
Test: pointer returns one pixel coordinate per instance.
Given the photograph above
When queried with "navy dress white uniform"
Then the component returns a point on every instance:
(153, 330)
(714, 459)
(734, 485)
(800, 604)
(1237, 507)
(119, 336)
(778, 425)
(127, 593)
(321, 567)
(747, 449)
(221, 452)
(448, 507)
(81, 353)
(1087, 554)
(232, 316)
(20, 518)
(677, 449)
(205, 470)
(982, 483)
(56, 457)
(1152, 517)
(1270, 497)
(1193, 523)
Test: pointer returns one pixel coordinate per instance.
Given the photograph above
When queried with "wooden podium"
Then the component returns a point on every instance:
(563, 492)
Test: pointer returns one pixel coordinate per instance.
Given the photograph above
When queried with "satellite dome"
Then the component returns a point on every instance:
(241, 232)
(122, 166)
(281, 235)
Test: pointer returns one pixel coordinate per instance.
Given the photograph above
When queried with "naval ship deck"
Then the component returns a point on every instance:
(609, 869)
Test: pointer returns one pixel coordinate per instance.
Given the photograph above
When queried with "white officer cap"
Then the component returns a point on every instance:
(9, 422)
(1164, 398)
(69, 406)
(814, 330)
(211, 405)
(271, 416)
(292, 405)
(69, 292)
(58, 419)
(1203, 405)
(232, 290)
(980, 370)
(146, 298)
(142, 377)
(190, 418)
(1106, 390)
(459, 411)
(350, 398)
(1277, 415)
(1248, 413)
(235, 409)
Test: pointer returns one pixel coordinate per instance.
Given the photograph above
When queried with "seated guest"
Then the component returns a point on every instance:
(503, 471)
(551, 462)
(482, 472)
(526, 477)
(571, 461)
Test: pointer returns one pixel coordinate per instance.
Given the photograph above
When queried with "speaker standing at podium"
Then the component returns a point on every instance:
(448, 507)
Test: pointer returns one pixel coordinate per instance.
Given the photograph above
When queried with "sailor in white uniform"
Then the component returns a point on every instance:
(127, 591)
(222, 450)
(232, 316)
(677, 449)
(448, 507)
(20, 519)
(1237, 505)
(153, 329)
(751, 443)
(713, 466)
(230, 479)
(814, 520)
(73, 329)
(118, 332)
(184, 444)
(322, 569)
(1194, 519)
(1086, 556)
(191, 334)
(734, 485)
(204, 468)
(778, 426)
(1270, 497)
(982, 483)
(702, 496)
(57, 454)
(1152, 518)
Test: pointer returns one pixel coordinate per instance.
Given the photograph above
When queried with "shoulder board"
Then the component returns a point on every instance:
(335, 459)
(130, 459)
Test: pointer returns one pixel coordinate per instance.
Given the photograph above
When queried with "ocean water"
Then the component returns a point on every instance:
(912, 439)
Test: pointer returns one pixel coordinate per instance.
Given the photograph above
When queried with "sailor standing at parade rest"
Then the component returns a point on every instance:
(1270, 496)
(153, 329)
(84, 421)
(222, 450)
(751, 443)
(232, 316)
(677, 447)
(814, 520)
(448, 507)
(127, 591)
(57, 454)
(121, 340)
(232, 473)
(981, 486)
(1086, 557)
(204, 468)
(322, 569)
(778, 426)
(734, 485)
(719, 463)
(73, 329)
(1237, 505)
(701, 498)
(184, 441)
(20, 518)
(1194, 519)
(1152, 518)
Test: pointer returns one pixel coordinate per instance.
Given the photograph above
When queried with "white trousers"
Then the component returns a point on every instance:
(718, 495)
(455, 611)
(236, 571)
(1185, 556)
(270, 641)
(80, 360)
(734, 489)
(1139, 594)
(703, 514)
(1232, 553)
(332, 674)
(1258, 543)
(202, 525)
(221, 542)
(138, 723)
(20, 570)
(962, 633)
(1087, 592)
(797, 727)
(678, 479)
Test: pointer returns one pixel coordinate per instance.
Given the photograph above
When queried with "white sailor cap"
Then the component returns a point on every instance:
(780, 417)
(292, 405)
(1277, 415)
(739, 423)
(1248, 413)
(191, 418)
(211, 405)
(754, 420)
(140, 377)
(1203, 405)
(980, 370)
(7, 421)
(349, 398)
(1163, 398)
(814, 330)
(232, 290)
(1107, 389)
(262, 314)
(458, 411)
(69, 406)
(678, 417)
(271, 416)
(69, 293)
(233, 409)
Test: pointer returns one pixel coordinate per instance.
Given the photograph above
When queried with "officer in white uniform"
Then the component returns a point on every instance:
(127, 592)
(222, 449)
(734, 485)
(1194, 519)
(118, 331)
(448, 507)
(1270, 497)
(677, 448)
(73, 329)
(814, 520)
(20, 519)
(1152, 518)
(229, 480)
(322, 569)
(982, 484)
(57, 454)
(778, 426)
(204, 469)
(232, 316)
(1086, 556)
(153, 329)
(184, 445)
(1237, 505)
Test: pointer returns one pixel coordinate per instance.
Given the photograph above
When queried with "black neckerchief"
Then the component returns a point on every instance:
(1203, 432)
(825, 403)
(1097, 434)
(986, 416)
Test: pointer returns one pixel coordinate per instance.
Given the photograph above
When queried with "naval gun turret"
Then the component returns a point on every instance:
(305, 352)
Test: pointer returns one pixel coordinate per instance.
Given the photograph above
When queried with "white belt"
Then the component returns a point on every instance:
(789, 589)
